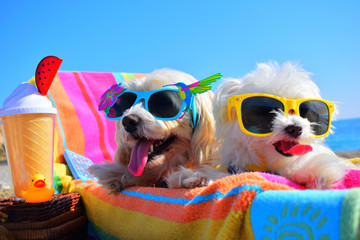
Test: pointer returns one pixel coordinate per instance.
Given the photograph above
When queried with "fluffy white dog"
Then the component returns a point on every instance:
(255, 135)
(152, 151)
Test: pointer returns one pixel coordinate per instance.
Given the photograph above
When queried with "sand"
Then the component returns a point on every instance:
(349, 154)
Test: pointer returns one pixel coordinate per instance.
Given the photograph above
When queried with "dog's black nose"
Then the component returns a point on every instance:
(131, 123)
(294, 131)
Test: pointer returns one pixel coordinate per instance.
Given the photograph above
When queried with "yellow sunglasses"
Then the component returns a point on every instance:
(256, 112)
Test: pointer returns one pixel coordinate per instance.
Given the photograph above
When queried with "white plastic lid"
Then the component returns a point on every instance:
(26, 99)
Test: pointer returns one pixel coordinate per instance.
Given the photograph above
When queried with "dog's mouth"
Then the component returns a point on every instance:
(144, 151)
(290, 148)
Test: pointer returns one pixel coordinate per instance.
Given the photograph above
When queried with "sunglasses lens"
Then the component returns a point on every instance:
(258, 113)
(316, 112)
(123, 102)
(165, 104)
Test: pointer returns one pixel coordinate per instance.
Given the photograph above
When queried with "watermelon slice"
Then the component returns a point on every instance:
(45, 73)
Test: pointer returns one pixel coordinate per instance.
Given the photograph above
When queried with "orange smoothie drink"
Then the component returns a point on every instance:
(27, 120)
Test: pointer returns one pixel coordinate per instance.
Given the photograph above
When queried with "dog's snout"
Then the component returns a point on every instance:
(131, 123)
(294, 131)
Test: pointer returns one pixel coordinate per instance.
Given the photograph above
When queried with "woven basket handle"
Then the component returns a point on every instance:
(5, 234)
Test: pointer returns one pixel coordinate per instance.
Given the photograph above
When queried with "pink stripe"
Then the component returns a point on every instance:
(96, 84)
(279, 179)
(87, 120)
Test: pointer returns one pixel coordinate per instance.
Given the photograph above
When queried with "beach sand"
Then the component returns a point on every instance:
(349, 154)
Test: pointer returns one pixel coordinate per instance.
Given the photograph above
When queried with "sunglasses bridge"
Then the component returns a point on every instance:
(291, 107)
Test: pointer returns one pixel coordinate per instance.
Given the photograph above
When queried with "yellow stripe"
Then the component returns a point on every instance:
(125, 76)
(111, 220)
(256, 168)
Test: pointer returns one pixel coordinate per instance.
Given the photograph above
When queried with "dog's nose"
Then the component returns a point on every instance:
(131, 122)
(294, 131)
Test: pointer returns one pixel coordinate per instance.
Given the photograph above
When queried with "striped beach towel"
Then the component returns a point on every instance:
(243, 206)
(255, 205)
(86, 130)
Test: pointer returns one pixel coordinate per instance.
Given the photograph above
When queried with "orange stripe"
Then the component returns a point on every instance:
(57, 157)
(139, 75)
(215, 209)
(60, 145)
(71, 125)
(96, 115)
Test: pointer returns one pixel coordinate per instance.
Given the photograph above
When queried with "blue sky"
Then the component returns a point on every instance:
(197, 37)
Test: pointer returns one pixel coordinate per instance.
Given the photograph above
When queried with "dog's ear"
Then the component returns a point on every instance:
(122, 153)
(334, 116)
(220, 104)
(203, 138)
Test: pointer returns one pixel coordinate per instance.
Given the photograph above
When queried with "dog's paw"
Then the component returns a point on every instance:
(196, 181)
(111, 176)
(187, 178)
(321, 181)
(307, 180)
(113, 185)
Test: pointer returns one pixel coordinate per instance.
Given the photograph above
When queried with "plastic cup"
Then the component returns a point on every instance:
(29, 147)
(28, 128)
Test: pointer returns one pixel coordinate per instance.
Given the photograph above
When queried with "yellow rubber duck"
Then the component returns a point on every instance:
(38, 192)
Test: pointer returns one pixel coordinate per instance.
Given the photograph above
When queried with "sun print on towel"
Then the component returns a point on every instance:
(288, 226)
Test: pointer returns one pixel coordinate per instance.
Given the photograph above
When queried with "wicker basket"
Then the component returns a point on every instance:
(62, 217)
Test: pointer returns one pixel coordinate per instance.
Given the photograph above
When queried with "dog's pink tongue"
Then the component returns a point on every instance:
(139, 157)
(295, 149)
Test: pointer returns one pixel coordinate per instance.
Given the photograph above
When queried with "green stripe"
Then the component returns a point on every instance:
(130, 76)
(119, 76)
(350, 215)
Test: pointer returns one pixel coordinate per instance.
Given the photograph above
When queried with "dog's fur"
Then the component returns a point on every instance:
(317, 169)
(189, 147)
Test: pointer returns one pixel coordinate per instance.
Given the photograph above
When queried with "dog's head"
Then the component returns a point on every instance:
(289, 131)
(152, 146)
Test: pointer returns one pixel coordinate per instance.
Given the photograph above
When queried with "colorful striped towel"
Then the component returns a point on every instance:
(244, 206)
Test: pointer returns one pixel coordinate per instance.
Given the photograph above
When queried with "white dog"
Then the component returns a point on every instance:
(266, 131)
(152, 151)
